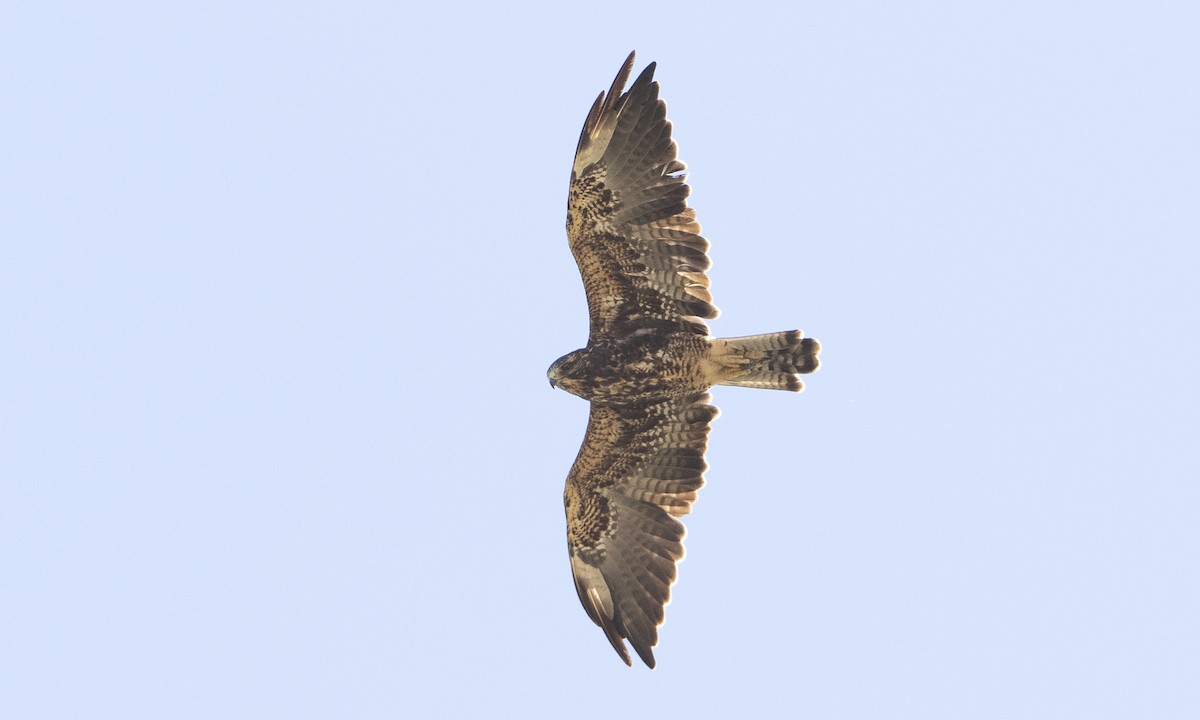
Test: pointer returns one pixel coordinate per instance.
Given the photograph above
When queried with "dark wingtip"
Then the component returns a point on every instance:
(618, 83)
(605, 102)
(647, 656)
(618, 642)
(646, 76)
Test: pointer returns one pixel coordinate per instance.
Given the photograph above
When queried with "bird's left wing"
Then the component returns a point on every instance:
(637, 243)
(636, 474)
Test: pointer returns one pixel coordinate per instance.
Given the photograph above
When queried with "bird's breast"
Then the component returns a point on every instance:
(641, 368)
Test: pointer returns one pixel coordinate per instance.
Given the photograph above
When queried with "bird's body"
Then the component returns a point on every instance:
(644, 367)
(648, 364)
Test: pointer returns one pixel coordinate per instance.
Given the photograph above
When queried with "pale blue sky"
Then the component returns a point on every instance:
(279, 284)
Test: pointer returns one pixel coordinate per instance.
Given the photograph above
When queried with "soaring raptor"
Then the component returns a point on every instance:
(648, 364)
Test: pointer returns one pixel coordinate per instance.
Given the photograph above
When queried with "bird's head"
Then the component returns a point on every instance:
(566, 372)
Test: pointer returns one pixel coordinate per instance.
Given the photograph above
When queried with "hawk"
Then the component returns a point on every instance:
(648, 364)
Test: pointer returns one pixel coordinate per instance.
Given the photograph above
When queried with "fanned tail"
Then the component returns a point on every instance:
(773, 361)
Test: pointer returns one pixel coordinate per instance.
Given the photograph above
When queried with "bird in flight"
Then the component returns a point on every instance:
(648, 364)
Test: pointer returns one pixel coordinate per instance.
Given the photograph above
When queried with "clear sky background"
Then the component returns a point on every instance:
(279, 284)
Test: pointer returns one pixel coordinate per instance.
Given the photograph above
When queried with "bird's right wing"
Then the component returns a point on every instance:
(637, 472)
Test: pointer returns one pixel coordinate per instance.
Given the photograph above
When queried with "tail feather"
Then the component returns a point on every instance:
(773, 361)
